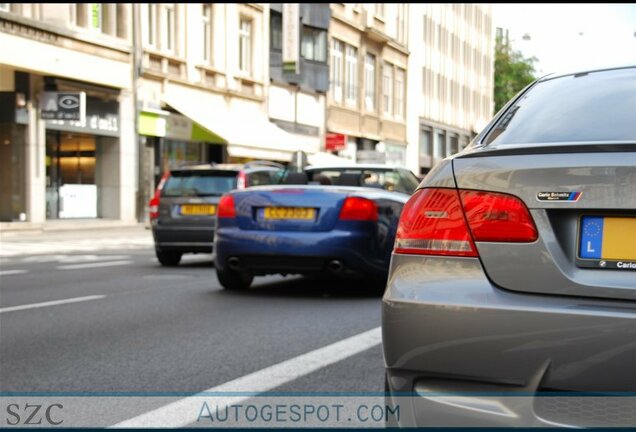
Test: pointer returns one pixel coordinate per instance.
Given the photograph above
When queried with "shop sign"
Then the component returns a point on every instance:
(178, 127)
(63, 106)
(102, 117)
(335, 142)
(291, 38)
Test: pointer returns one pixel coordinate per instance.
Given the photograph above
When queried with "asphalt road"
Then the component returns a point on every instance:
(116, 321)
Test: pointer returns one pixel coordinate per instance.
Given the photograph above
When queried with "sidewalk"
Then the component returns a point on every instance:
(58, 237)
(8, 229)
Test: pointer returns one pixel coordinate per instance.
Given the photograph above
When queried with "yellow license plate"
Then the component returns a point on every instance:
(291, 213)
(198, 210)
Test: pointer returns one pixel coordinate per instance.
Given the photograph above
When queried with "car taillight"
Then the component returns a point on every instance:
(153, 204)
(153, 207)
(241, 181)
(497, 217)
(226, 207)
(438, 221)
(360, 209)
(432, 223)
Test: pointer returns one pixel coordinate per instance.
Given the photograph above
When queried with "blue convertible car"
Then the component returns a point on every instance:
(336, 220)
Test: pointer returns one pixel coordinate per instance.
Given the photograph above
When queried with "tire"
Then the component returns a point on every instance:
(233, 280)
(168, 259)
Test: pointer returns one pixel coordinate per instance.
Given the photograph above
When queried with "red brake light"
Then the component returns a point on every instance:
(153, 207)
(359, 209)
(432, 223)
(226, 207)
(497, 217)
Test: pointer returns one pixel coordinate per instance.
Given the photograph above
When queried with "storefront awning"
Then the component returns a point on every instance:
(246, 131)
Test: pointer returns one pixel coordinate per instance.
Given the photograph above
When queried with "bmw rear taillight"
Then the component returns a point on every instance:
(432, 223)
(497, 217)
(359, 209)
(437, 221)
(226, 207)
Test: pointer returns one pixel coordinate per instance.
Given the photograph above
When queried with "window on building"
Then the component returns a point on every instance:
(4, 7)
(399, 93)
(424, 80)
(424, 26)
(369, 82)
(351, 74)
(387, 88)
(96, 16)
(151, 26)
(314, 44)
(425, 142)
(439, 145)
(401, 28)
(245, 46)
(206, 19)
(276, 31)
(337, 70)
(169, 31)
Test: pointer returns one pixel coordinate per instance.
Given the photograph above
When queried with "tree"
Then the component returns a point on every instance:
(512, 72)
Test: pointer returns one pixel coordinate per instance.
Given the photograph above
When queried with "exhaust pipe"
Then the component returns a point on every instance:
(234, 263)
(335, 266)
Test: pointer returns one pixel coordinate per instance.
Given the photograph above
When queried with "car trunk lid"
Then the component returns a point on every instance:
(574, 196)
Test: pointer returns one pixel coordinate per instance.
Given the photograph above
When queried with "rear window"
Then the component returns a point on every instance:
(592, 107)
(204, 183)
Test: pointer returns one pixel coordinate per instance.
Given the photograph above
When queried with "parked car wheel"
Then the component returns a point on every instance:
(233, 280)
(168, 259)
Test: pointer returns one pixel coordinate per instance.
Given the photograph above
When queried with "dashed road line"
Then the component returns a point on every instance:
(94, 265)
(51, 303)
(12, 272)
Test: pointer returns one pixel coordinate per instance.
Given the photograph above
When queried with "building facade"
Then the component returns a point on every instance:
(153, 86)
(366, 104)
(60, 56)
(451, 79)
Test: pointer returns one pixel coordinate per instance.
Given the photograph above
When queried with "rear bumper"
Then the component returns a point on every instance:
(269, 252)
(183, 238)
(447, 328)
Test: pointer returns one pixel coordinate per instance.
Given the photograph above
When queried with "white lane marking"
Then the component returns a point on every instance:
(93, 265)
(12, 272)
(185, 411)
(51, 303)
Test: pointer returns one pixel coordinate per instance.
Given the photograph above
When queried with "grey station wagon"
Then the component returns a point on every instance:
(513, 271)
(183, 210)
